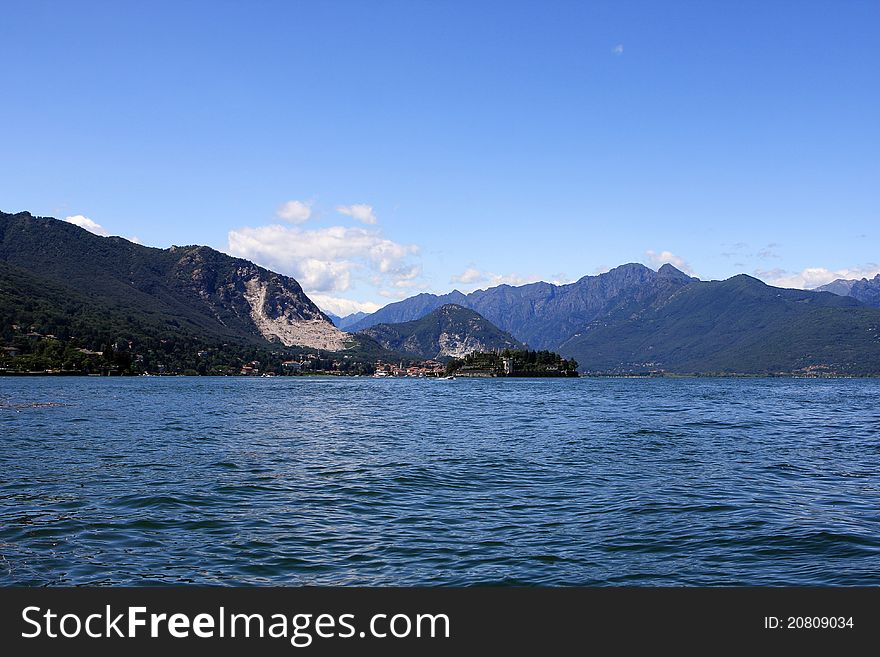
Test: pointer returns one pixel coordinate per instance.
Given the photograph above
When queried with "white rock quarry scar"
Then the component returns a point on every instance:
(314, 333)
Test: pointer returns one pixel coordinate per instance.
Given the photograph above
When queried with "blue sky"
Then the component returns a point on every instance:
(374, 150)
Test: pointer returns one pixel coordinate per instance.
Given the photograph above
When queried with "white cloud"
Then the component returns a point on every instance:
(94, 227)
(618, 49)
(359, 211)
(323, 260)
(88, 224)
(658, 259)
(472, 277)
(342, 307)
(469, 275)
(812, 277)
(324, 275)
(296, 212)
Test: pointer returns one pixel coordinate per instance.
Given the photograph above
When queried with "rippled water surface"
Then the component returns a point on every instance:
(384, 482)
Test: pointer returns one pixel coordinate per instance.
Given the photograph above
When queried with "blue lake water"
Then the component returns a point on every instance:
(405, 482)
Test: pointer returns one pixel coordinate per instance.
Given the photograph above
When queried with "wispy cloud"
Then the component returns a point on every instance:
(657, 259)
(618, 49)
(469, 276)
(295, 212)
(359, 211)
(741, 250)
(88, 224)
(405, 277)
(768, 252)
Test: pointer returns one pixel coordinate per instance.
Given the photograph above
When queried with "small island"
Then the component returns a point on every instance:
(511, 362)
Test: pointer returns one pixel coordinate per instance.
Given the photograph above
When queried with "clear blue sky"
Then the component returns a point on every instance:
(491, 141)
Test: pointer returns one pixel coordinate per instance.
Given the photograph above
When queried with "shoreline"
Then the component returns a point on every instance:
(670, 375)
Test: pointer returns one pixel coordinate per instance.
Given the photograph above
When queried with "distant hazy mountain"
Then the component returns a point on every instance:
(345, 323)
(739, 325)
(449, 331)
(544, 315)
(840, 287)
(866, 290)
(409, 309)
(191, 291)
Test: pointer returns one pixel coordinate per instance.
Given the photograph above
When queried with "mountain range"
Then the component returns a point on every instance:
(632, 319)
(740, 325)
(544, 315)
(166, 305)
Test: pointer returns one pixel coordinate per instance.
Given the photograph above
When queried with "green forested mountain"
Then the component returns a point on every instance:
(449, 331)
(737, 326)
(152, 307)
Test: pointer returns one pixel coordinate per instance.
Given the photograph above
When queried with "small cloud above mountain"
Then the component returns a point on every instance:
(360, 212)
(295, 212)
(657, 259)
(469, 276)
(88, 224)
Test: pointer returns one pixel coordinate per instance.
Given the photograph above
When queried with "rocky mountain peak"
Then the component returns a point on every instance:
(449, 331)
(669, 271)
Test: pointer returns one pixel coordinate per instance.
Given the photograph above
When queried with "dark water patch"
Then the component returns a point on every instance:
(18, 406)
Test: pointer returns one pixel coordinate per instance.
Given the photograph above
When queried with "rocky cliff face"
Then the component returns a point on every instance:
(272, 305)
(451, 331)
(279, 315)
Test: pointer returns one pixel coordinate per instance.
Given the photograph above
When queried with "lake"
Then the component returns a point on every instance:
(360, 481)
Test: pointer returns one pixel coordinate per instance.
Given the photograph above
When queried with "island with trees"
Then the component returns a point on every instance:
(515, 363)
